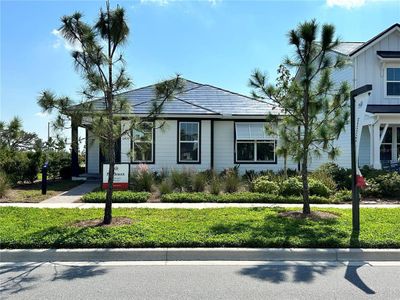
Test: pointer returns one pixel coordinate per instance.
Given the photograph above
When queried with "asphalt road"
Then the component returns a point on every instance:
(240, 281)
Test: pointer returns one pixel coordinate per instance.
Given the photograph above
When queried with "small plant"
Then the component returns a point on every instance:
(291, 187)
(165, 187)
(3, 184)
(343, 196)
(325, 178)
(215, 185)
(199, 182)
(118, 197)
(318, 188)
(142, 179)
(180, 180)
(231, 181)
(263, 185)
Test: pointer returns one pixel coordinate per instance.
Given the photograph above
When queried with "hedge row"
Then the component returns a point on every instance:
(118, 197)
(242, 197)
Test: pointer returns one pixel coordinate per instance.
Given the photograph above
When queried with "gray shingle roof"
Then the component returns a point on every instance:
(197, 99)
(346, 48)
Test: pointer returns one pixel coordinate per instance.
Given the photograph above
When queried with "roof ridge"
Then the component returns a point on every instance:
(235, 93)
(197, 105)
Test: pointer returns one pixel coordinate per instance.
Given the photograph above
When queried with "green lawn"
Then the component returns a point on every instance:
(223, 227)
(33, 192)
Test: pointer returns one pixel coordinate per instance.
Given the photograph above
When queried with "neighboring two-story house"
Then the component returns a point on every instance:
(207, 127)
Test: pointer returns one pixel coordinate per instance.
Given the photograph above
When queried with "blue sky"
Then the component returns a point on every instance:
(218, 42)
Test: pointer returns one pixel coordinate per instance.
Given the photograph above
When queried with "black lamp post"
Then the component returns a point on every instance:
(354, 188)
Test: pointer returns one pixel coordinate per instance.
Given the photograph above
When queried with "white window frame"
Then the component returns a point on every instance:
(266, 140)
(143, 142)
(194, 142)
(390, 66)
(389, 143)
(255, 142)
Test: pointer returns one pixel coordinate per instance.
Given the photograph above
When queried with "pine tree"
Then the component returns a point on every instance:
(315, 109)
(99, 59)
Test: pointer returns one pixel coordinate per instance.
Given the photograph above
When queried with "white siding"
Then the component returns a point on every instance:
(343, 159)
(166, 147)
(125, 143)
(370, 70)
(93, 153)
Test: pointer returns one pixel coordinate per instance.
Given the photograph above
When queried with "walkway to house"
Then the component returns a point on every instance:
(59, 204)
(72, 195)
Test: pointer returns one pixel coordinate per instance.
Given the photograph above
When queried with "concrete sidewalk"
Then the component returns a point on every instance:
(72, 195)
(199, 254)
(54, 204)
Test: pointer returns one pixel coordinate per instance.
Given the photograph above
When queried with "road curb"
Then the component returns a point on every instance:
(198, 254)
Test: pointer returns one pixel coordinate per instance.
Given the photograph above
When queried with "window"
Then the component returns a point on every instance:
(189, 142)
(398, 144)
(392, 81)
(142, 144)
(253, 145)
(386, 146)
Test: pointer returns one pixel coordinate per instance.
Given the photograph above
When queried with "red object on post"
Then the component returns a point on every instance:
(360, 182)
(116, 186)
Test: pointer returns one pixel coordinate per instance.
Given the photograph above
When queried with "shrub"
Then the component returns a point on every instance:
(291, 187)
(242, 197)
(215, 185)
(318, 188)
(371, 173)
(118, 197)
(263, 185)
(181, 180)
(22, 166)
(324, 178)
(231, 181)
(199, 182)
(343, 196)
(142, 179)
(341, 176)
(165, 187)
(3, 184)
(57, 160)
(385, 185)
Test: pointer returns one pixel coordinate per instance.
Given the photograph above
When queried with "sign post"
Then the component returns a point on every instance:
(44, 178)
(357, 118)
(121, 176)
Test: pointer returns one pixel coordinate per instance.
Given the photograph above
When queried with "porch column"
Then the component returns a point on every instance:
(74, 149)
(371, 145)
(376, 144)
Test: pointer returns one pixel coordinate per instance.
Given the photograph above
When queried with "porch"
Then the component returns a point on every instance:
(380, 141)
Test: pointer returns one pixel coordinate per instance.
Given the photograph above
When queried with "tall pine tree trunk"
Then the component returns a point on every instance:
(304, 178)
(111, 142)
(108, 209)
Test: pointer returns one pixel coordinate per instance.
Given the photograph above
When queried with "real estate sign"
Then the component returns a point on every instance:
(121, 176)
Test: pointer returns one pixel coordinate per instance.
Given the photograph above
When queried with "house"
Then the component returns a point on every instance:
(204, 127)
(377, 63)
(207, 127)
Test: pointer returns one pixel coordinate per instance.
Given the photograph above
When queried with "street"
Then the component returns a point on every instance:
(200, 280)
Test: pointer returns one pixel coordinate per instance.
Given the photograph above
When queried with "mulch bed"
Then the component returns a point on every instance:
(116, 221)
(315, 215)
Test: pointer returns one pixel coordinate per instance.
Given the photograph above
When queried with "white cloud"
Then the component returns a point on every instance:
(166, 2)
(42, 114)
(61, 41)
(348, 4)
(159, 2)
